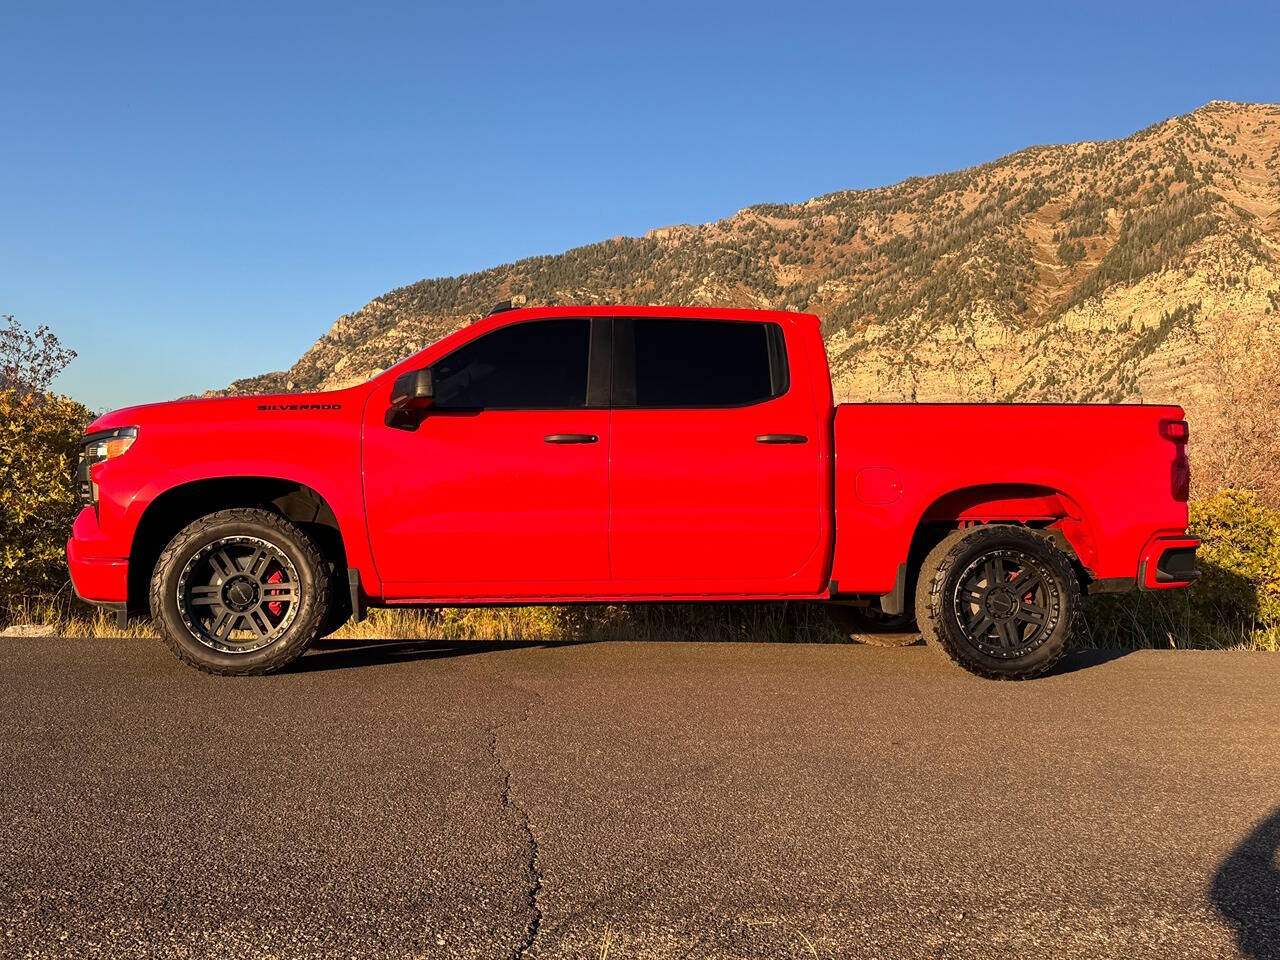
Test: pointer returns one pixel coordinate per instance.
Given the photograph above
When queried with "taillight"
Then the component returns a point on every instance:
(1181, 480)
(1179, 432)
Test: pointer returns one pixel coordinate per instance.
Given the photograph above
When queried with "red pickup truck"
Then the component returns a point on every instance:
(626, 454)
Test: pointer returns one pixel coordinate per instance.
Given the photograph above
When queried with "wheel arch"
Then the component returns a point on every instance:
(1038, 506)
(1049, 510)
(179, 505)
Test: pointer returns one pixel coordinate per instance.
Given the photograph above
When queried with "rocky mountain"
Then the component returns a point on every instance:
(1086, 271)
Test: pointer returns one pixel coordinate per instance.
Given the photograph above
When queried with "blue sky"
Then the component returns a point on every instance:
(191, 193)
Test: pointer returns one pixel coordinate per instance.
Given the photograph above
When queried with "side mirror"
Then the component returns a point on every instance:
(413, 391)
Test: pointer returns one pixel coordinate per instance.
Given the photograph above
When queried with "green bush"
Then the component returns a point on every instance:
(1240, 557)
(1235, 603)
(39, 440)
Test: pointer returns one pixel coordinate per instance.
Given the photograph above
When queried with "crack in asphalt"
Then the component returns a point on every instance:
(533, 864)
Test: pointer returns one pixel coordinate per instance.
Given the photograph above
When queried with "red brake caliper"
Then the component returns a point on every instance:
(276, 606)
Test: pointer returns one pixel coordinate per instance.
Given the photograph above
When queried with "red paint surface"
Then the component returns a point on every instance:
(669, 503)
(1104, 468)
(481, 499)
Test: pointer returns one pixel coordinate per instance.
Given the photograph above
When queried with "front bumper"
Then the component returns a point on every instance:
(98, 573)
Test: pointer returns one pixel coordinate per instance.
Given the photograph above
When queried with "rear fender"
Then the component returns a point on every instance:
(879, 546)
(1023, 504)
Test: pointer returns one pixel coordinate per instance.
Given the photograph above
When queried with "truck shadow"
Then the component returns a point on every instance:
(351, 654)
(1246, 890)
(1083, 659)
(330, 654)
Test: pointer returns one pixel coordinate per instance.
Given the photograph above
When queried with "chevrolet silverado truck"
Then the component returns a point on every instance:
(626, 455)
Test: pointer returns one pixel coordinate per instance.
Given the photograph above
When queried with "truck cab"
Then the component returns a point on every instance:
(604, 457)
(623, 454)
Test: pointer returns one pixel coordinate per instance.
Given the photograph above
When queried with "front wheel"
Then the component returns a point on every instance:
(240, 592)
(999, 600)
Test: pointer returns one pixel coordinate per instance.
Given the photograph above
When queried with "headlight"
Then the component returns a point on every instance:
(98, 448)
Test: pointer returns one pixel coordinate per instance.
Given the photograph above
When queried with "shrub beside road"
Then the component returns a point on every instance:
(39, 439)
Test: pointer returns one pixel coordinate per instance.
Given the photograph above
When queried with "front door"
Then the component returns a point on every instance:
(716, 469)
(502, 487)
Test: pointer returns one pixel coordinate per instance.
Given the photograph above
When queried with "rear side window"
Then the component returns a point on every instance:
(702, 363)
(539, 365)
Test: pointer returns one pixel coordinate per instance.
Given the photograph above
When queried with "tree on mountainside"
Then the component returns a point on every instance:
(1233, 419)
(1071, 252)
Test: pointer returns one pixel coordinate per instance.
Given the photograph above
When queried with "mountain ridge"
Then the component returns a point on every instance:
(1075, 272)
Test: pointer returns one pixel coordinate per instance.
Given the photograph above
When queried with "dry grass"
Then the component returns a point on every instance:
(1126, 622)
(767, 623)
(764, 622)
(1163, 621)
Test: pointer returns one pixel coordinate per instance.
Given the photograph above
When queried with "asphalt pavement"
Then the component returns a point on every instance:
(614, 800)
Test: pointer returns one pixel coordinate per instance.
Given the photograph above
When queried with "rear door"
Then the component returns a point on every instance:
(715, 472)
(502, 488)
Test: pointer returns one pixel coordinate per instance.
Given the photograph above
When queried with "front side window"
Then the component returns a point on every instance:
(707, 363)
(539, 365)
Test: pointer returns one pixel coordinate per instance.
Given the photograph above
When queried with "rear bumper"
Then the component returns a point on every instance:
(98, 573)
(1167, 563)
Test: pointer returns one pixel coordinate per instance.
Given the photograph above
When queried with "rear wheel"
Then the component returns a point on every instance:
(239, 592)
(999, 600)
(874, 627)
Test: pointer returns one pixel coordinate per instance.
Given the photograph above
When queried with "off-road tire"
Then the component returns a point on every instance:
(872, 627)
(250, 524)
(942, 598)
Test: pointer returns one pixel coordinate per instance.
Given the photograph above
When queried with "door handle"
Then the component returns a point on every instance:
(782, 438)
(570, 438)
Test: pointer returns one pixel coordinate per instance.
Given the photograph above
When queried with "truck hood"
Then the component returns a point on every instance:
(207, 410)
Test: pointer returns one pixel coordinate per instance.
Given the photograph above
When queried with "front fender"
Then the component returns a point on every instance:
(324, 457)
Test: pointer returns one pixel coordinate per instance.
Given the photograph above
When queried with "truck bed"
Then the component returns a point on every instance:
(1105, 475)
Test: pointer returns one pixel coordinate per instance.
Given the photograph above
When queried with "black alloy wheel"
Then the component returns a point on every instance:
(1007, 602)
(238, 594)
(999, 600)
(241, 591)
